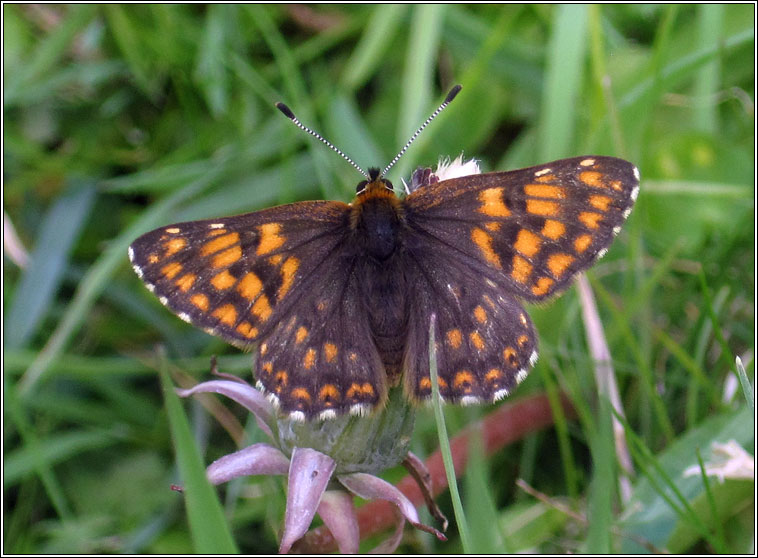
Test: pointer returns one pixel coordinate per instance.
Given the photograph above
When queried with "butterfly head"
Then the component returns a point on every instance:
(376, 183)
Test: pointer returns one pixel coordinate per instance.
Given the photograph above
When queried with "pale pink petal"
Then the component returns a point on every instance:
(337, 511)
(309, 474)
(370, 487)
(258, 459)
(390, 544)
(244, 394)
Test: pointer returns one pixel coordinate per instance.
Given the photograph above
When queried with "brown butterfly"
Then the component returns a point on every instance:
(337, 298)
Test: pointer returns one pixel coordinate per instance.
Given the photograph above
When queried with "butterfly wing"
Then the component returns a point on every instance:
(529, 230)
(236, 277)
(523, 233)
(320, 360)
(282, 277)
(485, 341)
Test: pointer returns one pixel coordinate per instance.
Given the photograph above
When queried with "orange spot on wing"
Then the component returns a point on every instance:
(581, 243)
(484, 242)
(543, 286)
(171, 270)
(358, 392)
(493, 375)
(185, 281)
(330, 351)
(509, 355)
(492, 203)
(477, 340)
(282, 379)
(480, 314)
(559, 263)
(224, 280)
(250, 286)
(592, 178)
(591, 220)
(288, 276)
(201, 301)
(270, 238)
(301, 334)
(262, 308)
(464, 380)
(454, 338)
(268, 367)
(544, 191)
(527, 243)
(600, 202)
(546, 178)
(219, 243)
(542, 207)
(553, 229)
(226, 314)
(247, 330)
(227, 257)
(174, 245)
(310, 359)
(522, 341)
(329, 394)
(301, 393)
(522, 269)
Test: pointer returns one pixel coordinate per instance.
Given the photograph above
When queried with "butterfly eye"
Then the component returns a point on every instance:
(361, 186)
(388, 184)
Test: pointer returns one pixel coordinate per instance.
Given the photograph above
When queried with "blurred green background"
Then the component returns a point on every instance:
(119, 119)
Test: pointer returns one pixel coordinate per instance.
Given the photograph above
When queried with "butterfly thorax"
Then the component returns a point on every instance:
(376, 219)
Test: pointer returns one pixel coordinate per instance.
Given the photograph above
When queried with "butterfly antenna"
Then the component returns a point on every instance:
(289, 114)
(450, 96)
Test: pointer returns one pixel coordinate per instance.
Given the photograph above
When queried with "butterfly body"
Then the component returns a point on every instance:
(337, 299)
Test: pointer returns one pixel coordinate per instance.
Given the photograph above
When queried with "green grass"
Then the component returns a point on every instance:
(119, 119)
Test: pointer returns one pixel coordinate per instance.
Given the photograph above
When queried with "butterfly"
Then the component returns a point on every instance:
(337, 298)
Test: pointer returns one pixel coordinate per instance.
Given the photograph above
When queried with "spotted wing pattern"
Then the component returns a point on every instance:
(479, 241)
(529, 230)
(320, 360)
(485, 340)
(236, 277)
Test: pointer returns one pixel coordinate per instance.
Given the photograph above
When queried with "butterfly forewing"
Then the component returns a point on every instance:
(236, 277)
(529, 230)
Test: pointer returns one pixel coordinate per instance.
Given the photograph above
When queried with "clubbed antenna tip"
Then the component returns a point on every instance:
(450, 96)
(286, 110)
(291, 115)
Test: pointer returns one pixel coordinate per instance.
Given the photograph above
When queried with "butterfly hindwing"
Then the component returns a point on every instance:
(485, 340)
(320, 360)
(529, 230)
(235, 277)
